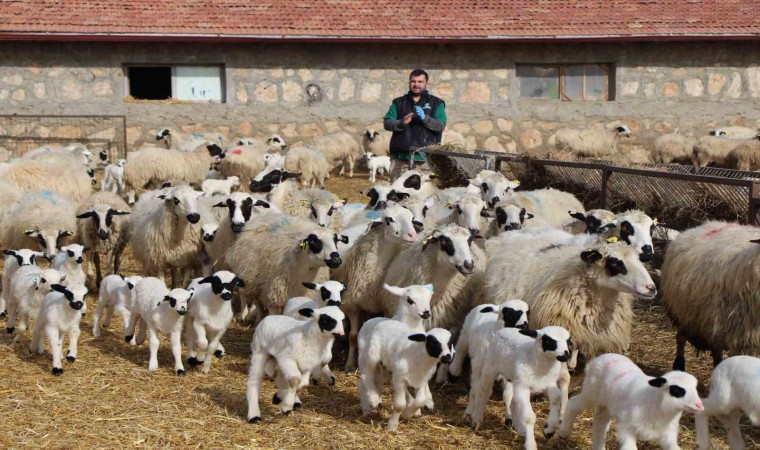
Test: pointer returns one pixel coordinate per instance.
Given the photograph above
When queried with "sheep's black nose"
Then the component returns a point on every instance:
(334, 260)
(425, 315)
(193, 218)
(237, 227)
(102, 235)
(382, 204)
(446, 359)
(226, 296)
(469, 265)
(512, 227)
(646, 253)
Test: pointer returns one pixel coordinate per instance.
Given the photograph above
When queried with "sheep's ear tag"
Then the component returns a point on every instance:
(612, 240)
(517, 182)
(304, 203)
(654, 221)
(303, 245)
(429, 287)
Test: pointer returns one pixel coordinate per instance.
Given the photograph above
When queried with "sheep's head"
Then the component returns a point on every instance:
(208, 231)
(322, 246)
(329, 319)
(24, 256)
(494, 188)
(379, 195)
(240, 206)
(616, 266)
(437, 342)
(371, 134)
(223, 283)
(132, 281)
(272, 179)
(468, 211)
(103, 156)
(419, 208)
(400, 225)
(513, 313)
(178, 299)
(679, 391)
(49, 240)
(74, 252)
(47, 278)
(277, 142)
(121, 162)
(454, 243)
(635, 229)
(412, 182)
(414, 301)
(623, 130)
(597, 221)
(330, 291)
(511, 216)
(274, 161)
(184, 202)
(102, 216)
(74, 294)
(322, 210)
(553, 342)
(164, 134)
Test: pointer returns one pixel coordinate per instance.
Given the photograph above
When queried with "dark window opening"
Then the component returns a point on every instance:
(150, 83)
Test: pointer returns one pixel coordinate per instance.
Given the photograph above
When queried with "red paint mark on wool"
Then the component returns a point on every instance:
(236, 151)
(716, 231)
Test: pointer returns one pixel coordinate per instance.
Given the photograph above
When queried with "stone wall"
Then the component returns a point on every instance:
(659, 87)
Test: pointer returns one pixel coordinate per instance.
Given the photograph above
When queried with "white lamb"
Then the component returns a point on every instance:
(646, 408)
(28, 287)
(734, 392)
(15, 259)
(115, 295)
(377, 164)
(210, 313)
(416, 184)
(60, 314)
(221, 187)
(494, 186)
(530, 361)
(299, 348)
(113, 178)
(311, 163)
(159, 311)
(69, 263)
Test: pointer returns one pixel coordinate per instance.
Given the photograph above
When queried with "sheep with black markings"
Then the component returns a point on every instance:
(15, 259)
(416, 183)
(115, 295)
(549, 206)
(589, 143)
(246, 159)
(69, 263)
(646, 408)
(61, 312)
(594, 221)
(27, 289)
(494, 186)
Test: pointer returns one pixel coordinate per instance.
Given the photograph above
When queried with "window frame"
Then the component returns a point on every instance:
(173, 66)
(607, 67)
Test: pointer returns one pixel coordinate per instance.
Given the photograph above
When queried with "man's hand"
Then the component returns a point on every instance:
(408, 119)
(420, 112)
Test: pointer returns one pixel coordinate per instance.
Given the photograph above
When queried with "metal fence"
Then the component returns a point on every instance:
(681, 196)
(22, 133)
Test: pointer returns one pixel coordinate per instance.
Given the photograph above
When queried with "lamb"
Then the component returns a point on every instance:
(714, 151)
(60, 313)
(247, 159)
(745, 156)
(187, 142)
(634, 227)
(113, 178)
(530, 361)
(673, 148)
(734, 391)
(392, 346)
(275, 141)
(274, 161)
(43, 218)
(594, 221)
(375, 142)
(587, 290)
(15, 259)
(646, 408)
(311, 163)
(159, 311)
(298, 348)
(148, 167)
(220, 187)
(549, 205)
(26, 291)
(30, 176)
(733, 132)
(283, 192)
(416, 184)
(377, 164)
(710, 310)
(338, 148)
(330, 293)
(379, 194)
(495, 187)
(69, 263)
(589, 143)
(166, 232)
(115, 294)
(106, 234)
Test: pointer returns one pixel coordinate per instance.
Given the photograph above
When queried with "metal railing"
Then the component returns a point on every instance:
(681, 196)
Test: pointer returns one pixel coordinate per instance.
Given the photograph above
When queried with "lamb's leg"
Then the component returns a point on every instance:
(190, 342)
(602, 420)
(555, 400)
(399, 402)
(129, 330)
(73, 341)
(213, 344)
(141, 332)
(479, 395)
(126, 316)
(351, 166)
(201, 344)
(507, 393)
(98, 273)
(680, 362)
(290, 372)
(55, 349)
(414, 404)
(702, 425)
(525, 417)
(38, 339)
(10, 324)
(23, 321)
(627, 440)
(564, 387)
(176, 343)
(96, 317)
(463, 346)
(154, 343)
(369, 396)
(353, 337)
(442, 374)
(731, 422)
(253, 385)
(575, 406)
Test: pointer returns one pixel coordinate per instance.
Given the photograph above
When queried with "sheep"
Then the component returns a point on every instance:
(41, 217)
(467, 210)
(530, 361)
(714, 151)
(60, 313)
(375, 142)
(209, 315)
(734, 391)
(673, 148)
(634, 227)
(410, 356)
(366, 263)
(494, 187)
(273, 161)
(78, 153)
(106, 233)
(549, 205)
(377, 164)
(69, 263)
(745, 156)
(311, 163)
(166, 232)
(709, 309)
(115, 294)
(281, 252)
(113, 178)
(330, 295)
(187, 142)
(416, 184)
(15, 259)
(589, 143)
(733, 132)
(594, 221)
(147, 167)
(298, 348)
(247, 159)
(30, 176)
(274, 141)
(221, 187)
(586, 289)
(158, 310)
(338, 148)
(27, 289)
(646, 408)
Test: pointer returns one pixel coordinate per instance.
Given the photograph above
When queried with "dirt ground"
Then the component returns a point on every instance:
(108, 399)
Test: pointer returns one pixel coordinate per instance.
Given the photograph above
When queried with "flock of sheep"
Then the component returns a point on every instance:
(526, 285)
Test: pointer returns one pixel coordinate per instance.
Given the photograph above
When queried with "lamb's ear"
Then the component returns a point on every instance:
(237, 281)
(220, 205)
(311, 286)
(209, 279)
(262, 203)
(487, 309)
(529, 216)
(306, 312)
(529, 333)
(485, 212)
(130, 285)
(58, 288)
(31, 233)
(65, 233)
(118, 212)
(9, 252)
(397, 291)
(755, 241)
(475, 182)
(591, 256)
(577, 216)
(433, 176)
(419, 337)
(86, 215)
(658, 382)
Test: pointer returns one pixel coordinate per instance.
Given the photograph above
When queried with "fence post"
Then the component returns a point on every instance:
(497, 164)
(754, 201)
(605, 188)
(124, 142)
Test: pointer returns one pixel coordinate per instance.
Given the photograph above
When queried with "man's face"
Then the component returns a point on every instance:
(417, 84)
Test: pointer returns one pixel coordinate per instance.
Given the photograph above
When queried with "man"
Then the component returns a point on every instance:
(417, 120)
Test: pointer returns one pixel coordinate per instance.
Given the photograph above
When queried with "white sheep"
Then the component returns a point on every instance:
(106, 233)
(148, 167)
(311, 163)
(274, 161)
(377, 164)
(60, 313)
(27, 288)
(411, 358)
(247, 159)
(70, 182)
(338, 148)
(745, 156)
(548, 206)
(589, 143)
(376, 142)
(734, 392)
(113, 178)
(494, 186)
(646, 408)
(733, 132)
(416, 183)
(69, 263)
(115, 295)
(15, 259)
(593, 221)
(530, 361)
(159, 311)
(673, 148)
(187, 142)
(219, 187)
(299, 348)
(209, 315)
(714, 151)
(711, 310)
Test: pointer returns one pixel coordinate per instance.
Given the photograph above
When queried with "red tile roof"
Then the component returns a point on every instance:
(379, 20)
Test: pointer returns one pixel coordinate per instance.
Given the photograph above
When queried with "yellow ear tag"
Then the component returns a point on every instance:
(612, 240)
(303, 245)
(304, 202)
(425, 241)
(449, 204)
(654, 221)
(517, 182)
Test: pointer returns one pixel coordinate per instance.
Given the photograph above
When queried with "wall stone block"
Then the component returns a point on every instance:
(265, 92)
(346, 89)
(370, 92)
(671, 89)
(715, 83)
(694, 87)
(476, 92)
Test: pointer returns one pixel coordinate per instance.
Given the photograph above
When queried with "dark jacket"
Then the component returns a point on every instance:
(419, 133)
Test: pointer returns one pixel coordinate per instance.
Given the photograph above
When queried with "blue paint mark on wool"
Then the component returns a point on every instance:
(197, 135)
(49, 196)
(283, 221)
(536, 199)
(354, 206)
(372, 215)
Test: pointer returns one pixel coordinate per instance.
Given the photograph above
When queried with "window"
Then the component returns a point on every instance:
(569, 82)
(179, 82)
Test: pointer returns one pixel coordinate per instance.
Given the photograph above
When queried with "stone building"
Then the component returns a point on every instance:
(510, 71)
